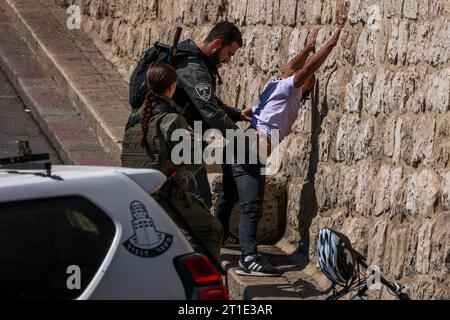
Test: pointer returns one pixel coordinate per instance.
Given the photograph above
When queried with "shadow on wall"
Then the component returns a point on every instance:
(308, 201)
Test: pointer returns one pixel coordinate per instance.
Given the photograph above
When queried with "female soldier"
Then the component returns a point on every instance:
(147, 144)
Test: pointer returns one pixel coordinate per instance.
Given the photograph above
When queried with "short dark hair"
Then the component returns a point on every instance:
(225, 31)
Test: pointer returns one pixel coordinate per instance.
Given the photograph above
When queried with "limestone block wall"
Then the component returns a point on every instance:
(369, 155)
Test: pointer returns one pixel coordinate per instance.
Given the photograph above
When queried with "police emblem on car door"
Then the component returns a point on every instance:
(203, 91)
(147, 241)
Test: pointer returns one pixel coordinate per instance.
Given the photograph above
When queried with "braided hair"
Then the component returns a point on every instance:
(159, 78)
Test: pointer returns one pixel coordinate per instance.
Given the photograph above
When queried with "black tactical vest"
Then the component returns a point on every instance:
(157, 154)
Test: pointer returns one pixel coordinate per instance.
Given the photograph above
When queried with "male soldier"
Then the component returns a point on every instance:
(196, 88)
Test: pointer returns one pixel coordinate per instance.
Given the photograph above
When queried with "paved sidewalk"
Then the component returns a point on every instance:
(91, 83)
(68, 132)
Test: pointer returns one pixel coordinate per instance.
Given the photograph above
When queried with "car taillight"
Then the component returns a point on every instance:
(200, 278)
(217, 292)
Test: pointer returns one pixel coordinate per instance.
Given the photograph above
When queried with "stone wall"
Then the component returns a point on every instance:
(369, 155)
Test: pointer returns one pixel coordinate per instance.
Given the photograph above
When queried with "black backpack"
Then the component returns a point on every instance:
(159, 53)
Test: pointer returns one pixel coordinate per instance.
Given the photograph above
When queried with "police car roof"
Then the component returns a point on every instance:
(150, 180)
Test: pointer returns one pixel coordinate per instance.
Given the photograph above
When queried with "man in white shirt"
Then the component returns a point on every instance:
(278, 107)
(277, 110)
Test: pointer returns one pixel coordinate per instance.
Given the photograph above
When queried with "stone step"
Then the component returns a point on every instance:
(69, 134)
(92, 83)
(293, 284)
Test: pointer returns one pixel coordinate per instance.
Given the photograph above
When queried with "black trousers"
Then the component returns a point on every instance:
(242, 182)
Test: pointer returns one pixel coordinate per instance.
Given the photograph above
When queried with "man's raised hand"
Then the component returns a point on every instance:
(312, 42)
(341, 12)
(336, 36)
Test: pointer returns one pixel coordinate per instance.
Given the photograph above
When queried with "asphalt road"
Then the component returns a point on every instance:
(18, 124)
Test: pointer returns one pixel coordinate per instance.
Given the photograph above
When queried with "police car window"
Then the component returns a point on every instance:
(51, 248)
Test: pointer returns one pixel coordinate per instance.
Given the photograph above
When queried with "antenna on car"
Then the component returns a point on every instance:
(26, 158)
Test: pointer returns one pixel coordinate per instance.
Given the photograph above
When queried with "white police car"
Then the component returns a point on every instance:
(95, 233)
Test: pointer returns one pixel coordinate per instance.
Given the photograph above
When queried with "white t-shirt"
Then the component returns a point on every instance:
(278, 107)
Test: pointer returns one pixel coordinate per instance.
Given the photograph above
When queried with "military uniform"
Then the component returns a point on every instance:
(166, 118)
(196, 94)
